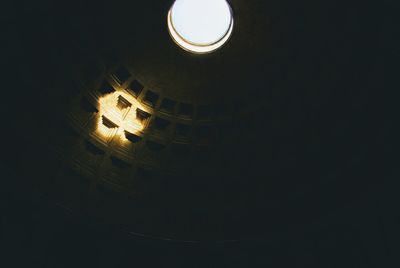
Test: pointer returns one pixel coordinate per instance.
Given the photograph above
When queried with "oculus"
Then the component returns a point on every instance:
(200, 26)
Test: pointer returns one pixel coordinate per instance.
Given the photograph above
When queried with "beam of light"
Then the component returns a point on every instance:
(200, 26)
(114, 120)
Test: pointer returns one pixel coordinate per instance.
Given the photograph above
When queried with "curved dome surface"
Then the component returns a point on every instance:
(137, 134)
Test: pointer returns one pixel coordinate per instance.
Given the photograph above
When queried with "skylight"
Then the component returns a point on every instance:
(200, 26)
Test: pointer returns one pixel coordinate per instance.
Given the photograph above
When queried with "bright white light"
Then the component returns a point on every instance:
(200, 26)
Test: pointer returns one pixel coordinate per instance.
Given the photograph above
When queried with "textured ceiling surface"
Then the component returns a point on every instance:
(283, 125)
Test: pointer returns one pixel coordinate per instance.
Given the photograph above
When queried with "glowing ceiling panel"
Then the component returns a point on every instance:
(117, 114)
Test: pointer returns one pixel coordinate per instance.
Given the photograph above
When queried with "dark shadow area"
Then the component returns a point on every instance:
(279, 150)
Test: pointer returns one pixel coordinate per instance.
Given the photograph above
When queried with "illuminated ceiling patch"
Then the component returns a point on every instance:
(118, 116)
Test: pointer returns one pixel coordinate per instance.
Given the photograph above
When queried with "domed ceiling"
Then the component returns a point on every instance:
(136, 133)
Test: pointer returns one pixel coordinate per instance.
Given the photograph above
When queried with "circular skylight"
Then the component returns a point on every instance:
(200, 26)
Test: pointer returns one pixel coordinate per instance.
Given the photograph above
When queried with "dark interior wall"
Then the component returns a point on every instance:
(363, 235)
(358, 228)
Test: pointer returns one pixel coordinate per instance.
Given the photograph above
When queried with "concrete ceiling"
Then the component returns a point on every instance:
(280, 127)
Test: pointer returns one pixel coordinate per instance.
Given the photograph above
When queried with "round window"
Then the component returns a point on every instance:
(200, 26)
